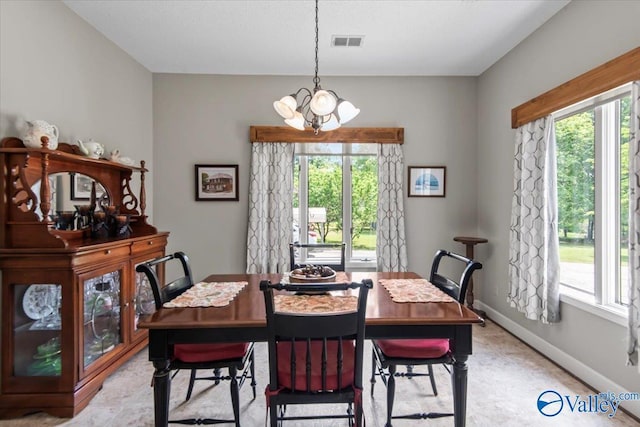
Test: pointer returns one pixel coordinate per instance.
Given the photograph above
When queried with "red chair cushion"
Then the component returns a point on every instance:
(284, 365)
(414, 349)
(196, 353)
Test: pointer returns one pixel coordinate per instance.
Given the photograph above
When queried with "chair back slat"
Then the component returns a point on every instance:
(339, 362)
(308, 366)
(324, 364)
(294, 365)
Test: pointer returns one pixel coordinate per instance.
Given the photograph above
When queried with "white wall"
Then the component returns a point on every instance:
(582, 36)
(205, 119)
(55, 67)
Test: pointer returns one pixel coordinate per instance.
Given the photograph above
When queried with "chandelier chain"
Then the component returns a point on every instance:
(319, 109)
(316, 79)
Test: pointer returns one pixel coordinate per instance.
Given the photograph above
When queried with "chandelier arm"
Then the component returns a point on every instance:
(306, 100)
(333, 93)
(304, 107)
(302, 90)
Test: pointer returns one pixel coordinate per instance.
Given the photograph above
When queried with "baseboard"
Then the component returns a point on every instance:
(586, 374)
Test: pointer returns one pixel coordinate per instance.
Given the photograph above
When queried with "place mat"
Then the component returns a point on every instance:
(341, 277)
(414, 290)
(207, 294)
(315, 304)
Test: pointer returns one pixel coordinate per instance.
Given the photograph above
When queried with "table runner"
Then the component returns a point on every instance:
(203, 294)
(414, 290)
(315, 304)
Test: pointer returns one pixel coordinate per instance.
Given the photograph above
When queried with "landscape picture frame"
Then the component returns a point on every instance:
(216, 183)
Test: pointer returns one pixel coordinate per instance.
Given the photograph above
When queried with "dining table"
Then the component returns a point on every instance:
(244, 319)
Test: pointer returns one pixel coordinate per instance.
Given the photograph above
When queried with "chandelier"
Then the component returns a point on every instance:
(321, 109)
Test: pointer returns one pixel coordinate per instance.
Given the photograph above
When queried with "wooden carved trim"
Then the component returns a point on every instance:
(128, 199)
(45, 187)
(342, 135)
(143, 192)
(618, 71)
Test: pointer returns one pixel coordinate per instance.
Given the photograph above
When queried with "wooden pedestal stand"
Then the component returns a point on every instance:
(469, 243)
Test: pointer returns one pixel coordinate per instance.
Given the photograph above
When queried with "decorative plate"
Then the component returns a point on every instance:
(35, 302)
(45, 367)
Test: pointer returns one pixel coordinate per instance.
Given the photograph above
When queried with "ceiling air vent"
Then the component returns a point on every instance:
(347, 41)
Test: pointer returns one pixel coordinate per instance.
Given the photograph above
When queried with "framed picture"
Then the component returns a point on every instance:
(217, 182)
(427, 181)
(81, 187)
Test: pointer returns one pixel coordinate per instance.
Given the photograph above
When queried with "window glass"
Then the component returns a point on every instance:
(592, 140)
(622, 290)
(325, 198)
(576, 200)
(335, 199)
(364, 205)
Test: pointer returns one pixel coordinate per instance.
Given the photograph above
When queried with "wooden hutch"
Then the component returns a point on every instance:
(71, 298)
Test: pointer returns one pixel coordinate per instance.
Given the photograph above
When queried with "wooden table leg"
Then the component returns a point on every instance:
(461, 348)
(161, 392)
(459, 380)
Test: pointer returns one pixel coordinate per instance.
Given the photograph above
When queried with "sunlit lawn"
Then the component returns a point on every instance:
(584, 254)
(569, 252)
(363, 241)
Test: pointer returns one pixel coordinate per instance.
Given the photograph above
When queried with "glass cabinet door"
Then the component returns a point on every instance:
(101, 315)
(37, 330)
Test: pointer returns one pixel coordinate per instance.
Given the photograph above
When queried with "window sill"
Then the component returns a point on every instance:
(587, 303)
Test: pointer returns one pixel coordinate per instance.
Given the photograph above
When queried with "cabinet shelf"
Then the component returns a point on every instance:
(29, 327)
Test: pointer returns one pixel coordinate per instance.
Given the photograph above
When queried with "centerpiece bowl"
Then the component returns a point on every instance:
(312, 274)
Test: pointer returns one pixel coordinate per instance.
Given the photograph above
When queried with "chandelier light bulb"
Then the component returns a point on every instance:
(323, 103)
(286, 106)
(330, 124)
(297, 121)
(346, 111)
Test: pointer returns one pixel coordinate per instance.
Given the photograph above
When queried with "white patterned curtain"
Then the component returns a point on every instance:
(391, 247)
(270, 207)
(534, 262)
(634, 226)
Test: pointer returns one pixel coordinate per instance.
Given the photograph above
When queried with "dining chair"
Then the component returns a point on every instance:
(315, 347)
(238, 358)
(313, 255)
(388, 354)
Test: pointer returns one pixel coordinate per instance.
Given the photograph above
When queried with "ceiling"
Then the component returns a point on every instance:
(276, 37)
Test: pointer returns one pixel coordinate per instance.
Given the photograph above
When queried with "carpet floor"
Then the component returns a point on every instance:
(505, 379)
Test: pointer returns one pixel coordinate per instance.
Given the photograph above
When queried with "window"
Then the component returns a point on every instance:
(592, 140)
(335, 199)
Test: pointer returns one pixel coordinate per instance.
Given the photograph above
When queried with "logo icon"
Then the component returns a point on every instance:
(550, 403)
